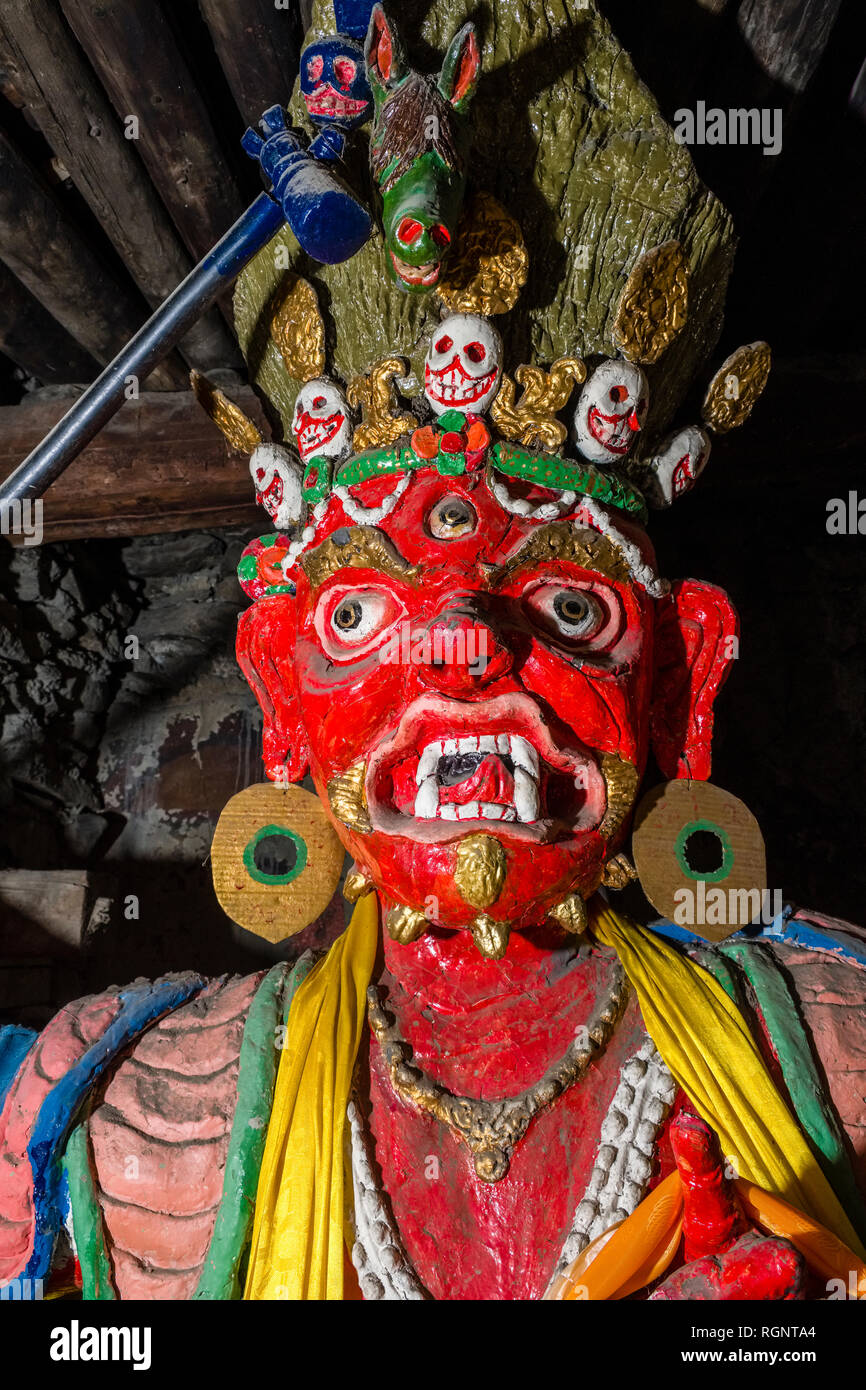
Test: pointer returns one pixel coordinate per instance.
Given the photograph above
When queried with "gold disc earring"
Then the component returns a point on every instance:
(700, 857)
(275, 859)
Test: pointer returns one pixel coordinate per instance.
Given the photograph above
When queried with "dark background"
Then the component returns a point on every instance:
(78, 788)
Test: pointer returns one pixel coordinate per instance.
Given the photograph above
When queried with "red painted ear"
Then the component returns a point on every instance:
(383, 54)
(697, 637)
(265, 651)
(459, 76)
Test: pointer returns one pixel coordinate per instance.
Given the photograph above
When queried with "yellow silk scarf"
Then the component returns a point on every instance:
(706, 1045)
(297, 1241)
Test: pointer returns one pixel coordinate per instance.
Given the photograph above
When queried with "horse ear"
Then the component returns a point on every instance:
(386, 62)
(459, 76)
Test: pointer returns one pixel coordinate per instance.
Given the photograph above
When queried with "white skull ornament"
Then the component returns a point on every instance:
(675, 468)
(612, 408)
(463, 365)
(277, 479)
(321, 423)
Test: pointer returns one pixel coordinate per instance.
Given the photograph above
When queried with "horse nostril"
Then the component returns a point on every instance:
(409, 230)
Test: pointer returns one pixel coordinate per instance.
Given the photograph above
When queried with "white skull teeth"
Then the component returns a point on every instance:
(524, 807)
(455, 387)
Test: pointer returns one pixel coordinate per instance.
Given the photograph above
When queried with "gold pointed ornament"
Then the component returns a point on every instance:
(238, 429)
(532, 420)
(275, 860)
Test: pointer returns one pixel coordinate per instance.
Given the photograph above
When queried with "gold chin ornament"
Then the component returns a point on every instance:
(275, 859)
(699, 854)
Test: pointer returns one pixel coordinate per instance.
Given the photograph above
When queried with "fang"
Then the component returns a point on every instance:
(490, 937)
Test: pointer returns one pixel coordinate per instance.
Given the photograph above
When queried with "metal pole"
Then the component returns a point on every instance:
(152, 342)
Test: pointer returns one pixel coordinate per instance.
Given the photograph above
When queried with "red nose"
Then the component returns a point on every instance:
(462, 651)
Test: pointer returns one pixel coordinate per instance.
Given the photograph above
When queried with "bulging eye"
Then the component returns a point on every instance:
(618, 394)
(573, 614)
(445, 344)
(476, 352)
(319, 403)
(440, 235)
(315, 68)
(409, 230)
(344, 71)
(350, 621)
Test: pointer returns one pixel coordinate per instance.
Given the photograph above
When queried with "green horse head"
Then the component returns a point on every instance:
(417, 149)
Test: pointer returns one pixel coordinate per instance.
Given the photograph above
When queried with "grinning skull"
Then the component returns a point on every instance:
(463, 364)
(677, 465)
(612, 408)
(277, 480)
(321, 423)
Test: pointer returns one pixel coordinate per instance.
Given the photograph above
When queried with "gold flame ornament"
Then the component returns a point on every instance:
(654, 305)
(532, 421)
(488, 266)
(375, 395)
(297, 328)
(734, 390)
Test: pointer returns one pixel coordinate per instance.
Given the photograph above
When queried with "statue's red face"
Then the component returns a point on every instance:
(482, 673)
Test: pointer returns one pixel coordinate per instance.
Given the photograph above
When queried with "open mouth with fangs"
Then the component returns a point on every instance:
(416, 274)
(450, 766)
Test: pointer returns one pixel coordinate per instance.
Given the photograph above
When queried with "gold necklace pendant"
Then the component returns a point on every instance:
(492, 1128)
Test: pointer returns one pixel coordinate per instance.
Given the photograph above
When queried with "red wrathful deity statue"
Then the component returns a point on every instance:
(495, 1083)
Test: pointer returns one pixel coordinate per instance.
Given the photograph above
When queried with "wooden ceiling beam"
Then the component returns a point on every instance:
(132, 48)
(160, 465)
(43, 248)
(69, 107)
(258, 47)
(35, 341)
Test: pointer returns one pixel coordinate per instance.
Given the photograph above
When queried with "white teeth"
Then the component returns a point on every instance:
(526, 770)
(524, 754)
(525, 796)
(428, 760)
(427, 799)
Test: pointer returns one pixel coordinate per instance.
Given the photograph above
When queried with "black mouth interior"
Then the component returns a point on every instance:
(456, 767)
